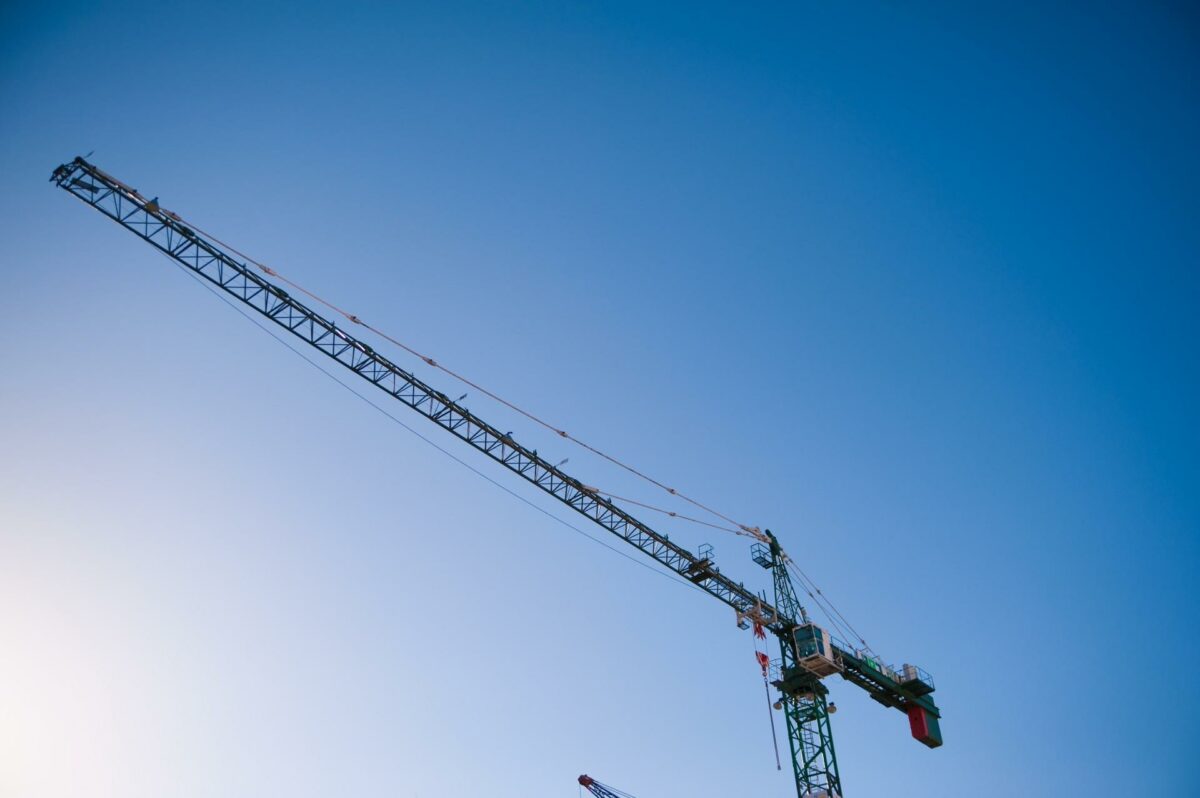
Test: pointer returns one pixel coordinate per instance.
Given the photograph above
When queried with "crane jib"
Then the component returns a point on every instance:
(802, 694)
(166, 232)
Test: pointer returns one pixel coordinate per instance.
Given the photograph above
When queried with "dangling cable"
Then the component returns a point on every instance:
(764, 662)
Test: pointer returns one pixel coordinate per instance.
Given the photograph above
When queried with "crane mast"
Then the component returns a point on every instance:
(808, 654)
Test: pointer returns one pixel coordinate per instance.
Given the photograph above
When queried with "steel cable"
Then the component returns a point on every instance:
(740, 528)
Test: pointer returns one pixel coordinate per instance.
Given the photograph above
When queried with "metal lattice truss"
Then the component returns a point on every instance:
(167, 232)
(805, 709)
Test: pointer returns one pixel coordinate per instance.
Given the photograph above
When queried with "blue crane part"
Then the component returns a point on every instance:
(601, 790)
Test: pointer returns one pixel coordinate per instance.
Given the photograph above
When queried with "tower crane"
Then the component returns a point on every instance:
(808, 653)
(601, 790)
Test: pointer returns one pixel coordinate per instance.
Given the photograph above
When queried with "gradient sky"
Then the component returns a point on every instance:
(914, 287)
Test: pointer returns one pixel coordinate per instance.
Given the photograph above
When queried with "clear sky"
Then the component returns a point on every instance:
(914, 287)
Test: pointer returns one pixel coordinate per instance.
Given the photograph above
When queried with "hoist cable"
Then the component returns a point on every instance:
(671, 513)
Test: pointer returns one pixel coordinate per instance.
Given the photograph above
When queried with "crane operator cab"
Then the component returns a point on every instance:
(814, 651)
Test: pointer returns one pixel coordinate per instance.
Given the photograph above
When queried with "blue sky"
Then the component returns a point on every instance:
(915, 288)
